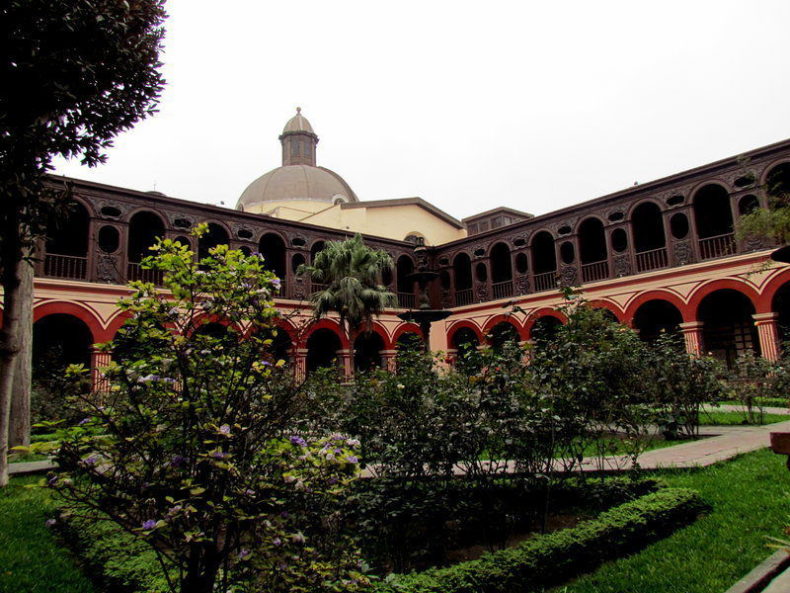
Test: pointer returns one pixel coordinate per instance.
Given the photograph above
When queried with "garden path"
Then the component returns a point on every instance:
(742, 409)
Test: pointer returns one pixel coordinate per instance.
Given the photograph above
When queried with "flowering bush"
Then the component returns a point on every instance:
(193, 449)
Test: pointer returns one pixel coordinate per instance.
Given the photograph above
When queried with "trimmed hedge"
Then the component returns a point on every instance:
(552, 559)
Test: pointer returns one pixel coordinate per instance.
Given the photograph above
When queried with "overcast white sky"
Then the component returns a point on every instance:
(469, 105)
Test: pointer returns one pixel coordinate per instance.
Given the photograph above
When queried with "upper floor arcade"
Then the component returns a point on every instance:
(676, 221)
(687, 218)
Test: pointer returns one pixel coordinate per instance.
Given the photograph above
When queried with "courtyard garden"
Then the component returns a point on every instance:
(210, 465)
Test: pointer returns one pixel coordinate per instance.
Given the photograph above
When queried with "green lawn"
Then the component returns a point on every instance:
(716, 418)
(30, 559)
(751, 500)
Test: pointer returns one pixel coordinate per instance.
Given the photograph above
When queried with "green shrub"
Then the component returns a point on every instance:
(551, 559)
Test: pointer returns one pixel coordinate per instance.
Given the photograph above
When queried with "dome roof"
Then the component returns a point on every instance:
(298, 123)
(296, 182)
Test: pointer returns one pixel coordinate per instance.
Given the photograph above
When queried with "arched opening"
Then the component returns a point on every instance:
(67, 245)
(404, 268)
(462, 271)
(367, 351)
(713, 217)
(777, 185)
(728, 327)
(322, 347)
(592, 250)
(748, 204)
(679, 225)
(544, 261)
(280, 346)
(501, 271)
(465, 343)
(656, 317)
(619, 240)
(272, 248)
(649, 239)
(317, 247)
(185, 241)
(502, 333)
(544, 329)
(781, 306)
(144, 229)
(216, 235)
(59, 340)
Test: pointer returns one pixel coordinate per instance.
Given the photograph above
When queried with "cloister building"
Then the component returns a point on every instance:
(658, 256)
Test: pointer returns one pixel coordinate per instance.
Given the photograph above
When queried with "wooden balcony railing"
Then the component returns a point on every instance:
(652, 260)
(546, 281)
(719, 246)
(317, 287)
(502, 289)
(595, 271)
(134, 271)
(407, 300)
(65, 266)
(464, 297)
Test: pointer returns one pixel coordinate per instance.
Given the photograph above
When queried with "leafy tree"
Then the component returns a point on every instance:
(194, 448)
(350, 273)
(75, 74)
(772, 222)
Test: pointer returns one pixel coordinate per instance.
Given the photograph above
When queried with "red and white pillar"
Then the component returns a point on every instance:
(692, 334)
(768, 331)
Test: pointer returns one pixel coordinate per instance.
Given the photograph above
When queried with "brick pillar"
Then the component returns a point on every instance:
(388, 360)
(769, 334)
(692, 333)
(346, 362)
(99, 361)
(300, 363)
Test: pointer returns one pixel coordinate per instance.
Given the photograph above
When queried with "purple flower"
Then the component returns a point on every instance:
(352, 459)
(83, 421)
(50, 522)
(249, 492)
(277, 541)
(177, 461)
(90, 460)
(297, 440)
(276, 283)
(218, 454)
(149, 524)
(224, 429)
(243, 553)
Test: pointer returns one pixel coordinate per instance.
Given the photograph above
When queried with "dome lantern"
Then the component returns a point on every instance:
(298, 141)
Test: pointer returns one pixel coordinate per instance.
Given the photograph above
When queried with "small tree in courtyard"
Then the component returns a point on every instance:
(350, 273)
(193, 449)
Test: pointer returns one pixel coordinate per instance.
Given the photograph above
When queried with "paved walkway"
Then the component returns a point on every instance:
(728, 442)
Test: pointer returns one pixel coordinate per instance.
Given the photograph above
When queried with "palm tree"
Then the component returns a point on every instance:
(350, 273)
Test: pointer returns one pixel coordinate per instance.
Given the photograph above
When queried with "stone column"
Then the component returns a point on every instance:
(388, 360)
(692, 334)
(300, 363)
(99, 361)
(768, 331)
(346, 362)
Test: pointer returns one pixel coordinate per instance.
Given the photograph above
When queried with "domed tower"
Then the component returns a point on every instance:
(298, 187)
(299, 141)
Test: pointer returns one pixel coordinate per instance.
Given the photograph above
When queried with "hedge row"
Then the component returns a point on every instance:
(551, 559)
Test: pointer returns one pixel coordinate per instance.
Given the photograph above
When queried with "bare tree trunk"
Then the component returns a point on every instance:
(9, 334)
(19, 432)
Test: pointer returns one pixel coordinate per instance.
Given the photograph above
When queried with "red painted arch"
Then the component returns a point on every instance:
(540, 313)
(765, 302)
(378, 329)
(329, 324)
(502, 318)
(84, 314)
(609, 306)
(658, 295)
(461, 324)
(726, 283)
(405, 328)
